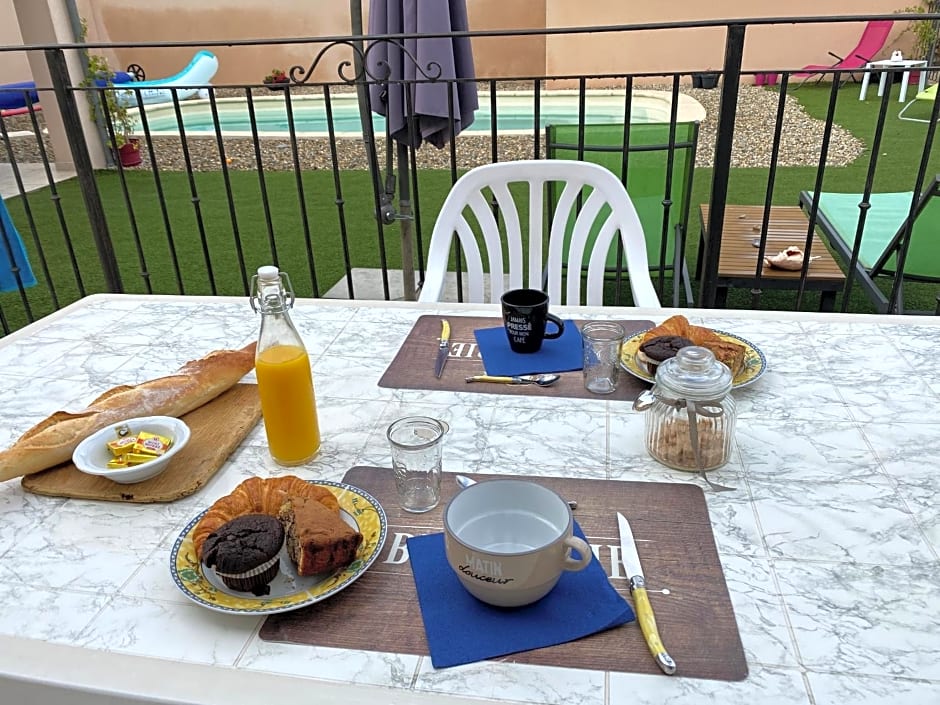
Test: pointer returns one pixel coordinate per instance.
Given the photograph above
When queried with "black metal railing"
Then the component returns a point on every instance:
(202, 210)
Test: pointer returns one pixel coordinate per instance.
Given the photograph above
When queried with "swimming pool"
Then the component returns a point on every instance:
(514, 113)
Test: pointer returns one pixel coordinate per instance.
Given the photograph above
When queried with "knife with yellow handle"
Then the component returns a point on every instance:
(443, 349)
(641, 600)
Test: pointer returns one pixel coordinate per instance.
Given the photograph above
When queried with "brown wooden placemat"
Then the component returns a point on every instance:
(413, 366)
(216, 429)
(380, 612)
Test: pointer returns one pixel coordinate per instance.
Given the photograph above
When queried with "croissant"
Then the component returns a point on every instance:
(679, 325)
(731, 354)
(258, 496)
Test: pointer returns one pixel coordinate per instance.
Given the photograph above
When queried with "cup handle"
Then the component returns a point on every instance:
(552, 318)
(575, 564)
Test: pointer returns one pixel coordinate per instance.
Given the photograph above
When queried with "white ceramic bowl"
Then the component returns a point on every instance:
(509, 541)
(92, 455)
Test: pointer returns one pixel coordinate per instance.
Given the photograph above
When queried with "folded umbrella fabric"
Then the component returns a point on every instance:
(461, 629)
(561, 354)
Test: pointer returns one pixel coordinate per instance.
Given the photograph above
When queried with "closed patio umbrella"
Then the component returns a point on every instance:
(417, 92)
(415, 98)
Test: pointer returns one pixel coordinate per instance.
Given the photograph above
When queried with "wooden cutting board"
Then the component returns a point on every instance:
(216, 430)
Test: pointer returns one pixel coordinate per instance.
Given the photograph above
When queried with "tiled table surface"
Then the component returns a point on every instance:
(829, 546)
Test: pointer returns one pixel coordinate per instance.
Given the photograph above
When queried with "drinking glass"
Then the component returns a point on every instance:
(416, 443)
(602, 341)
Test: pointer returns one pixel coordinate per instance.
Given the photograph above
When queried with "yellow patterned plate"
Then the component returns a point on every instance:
(755, 364)
(289, 591)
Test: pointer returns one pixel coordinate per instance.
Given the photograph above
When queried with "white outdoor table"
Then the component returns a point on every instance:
(829, 545)
(885, 66)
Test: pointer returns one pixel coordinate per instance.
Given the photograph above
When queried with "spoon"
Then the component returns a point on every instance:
(543, 380)
(465, 482)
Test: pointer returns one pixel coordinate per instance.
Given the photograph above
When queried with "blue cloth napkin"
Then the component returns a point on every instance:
(461, 629)
(561, 354)
(10, 240)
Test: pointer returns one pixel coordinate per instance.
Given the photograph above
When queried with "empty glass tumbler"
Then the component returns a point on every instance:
(602, 341)
(416, 443)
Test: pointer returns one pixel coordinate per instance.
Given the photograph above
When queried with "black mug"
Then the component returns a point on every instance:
(525, 315)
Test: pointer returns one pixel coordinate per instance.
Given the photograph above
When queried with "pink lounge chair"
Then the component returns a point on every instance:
(871, 42)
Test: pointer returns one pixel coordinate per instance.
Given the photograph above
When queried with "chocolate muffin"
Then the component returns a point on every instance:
(659, 349)
(245, 552)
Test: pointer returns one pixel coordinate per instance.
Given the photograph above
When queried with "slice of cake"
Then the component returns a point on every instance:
(318, 540)
(729, 353)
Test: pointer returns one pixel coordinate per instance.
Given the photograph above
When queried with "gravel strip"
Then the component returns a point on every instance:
(753, 141)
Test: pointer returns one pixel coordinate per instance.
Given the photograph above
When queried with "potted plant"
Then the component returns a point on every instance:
(705, 79)
(924, 32)
(923, 38)
(98, 75)
(277, 80)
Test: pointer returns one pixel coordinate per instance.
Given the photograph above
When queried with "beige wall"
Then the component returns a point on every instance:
(142, 20)
(184, 20)
(14, 66)
(774, 46)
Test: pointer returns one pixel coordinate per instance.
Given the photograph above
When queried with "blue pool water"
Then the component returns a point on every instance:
(309, 114)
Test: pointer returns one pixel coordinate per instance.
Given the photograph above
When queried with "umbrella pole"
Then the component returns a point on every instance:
(365, 119)
(405, 218)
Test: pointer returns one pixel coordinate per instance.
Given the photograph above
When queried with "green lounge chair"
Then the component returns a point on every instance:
(928, 95)
(658, 179)
(886, 223)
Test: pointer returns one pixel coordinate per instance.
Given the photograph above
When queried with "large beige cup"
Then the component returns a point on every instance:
(509, 541)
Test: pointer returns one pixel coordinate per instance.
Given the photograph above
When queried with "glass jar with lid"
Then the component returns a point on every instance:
(690, 414)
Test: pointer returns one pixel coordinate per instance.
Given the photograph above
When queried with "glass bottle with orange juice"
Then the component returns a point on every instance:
(282, 366)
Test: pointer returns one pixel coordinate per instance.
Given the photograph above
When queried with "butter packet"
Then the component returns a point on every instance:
(133, 459)
(151, 444)
(122, 445)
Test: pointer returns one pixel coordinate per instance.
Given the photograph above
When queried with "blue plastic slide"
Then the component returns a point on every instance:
(10, 241)
(187, 82)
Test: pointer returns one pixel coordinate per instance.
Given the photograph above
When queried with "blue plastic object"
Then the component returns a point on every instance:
(13, 95)
(10, 241)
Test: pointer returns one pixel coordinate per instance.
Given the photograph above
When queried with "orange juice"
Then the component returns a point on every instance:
(288, 405)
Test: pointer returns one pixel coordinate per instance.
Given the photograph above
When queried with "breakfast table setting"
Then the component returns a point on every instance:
(789, 557)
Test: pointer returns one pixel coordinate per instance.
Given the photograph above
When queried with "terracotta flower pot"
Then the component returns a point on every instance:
(129, 152)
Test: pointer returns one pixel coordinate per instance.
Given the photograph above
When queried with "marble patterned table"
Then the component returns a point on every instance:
(829, 546)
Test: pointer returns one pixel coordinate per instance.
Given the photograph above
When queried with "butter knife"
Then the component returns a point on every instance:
(443, 349)
(641, 601)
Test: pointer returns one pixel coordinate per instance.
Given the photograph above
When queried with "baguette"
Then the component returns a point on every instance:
(53, 440)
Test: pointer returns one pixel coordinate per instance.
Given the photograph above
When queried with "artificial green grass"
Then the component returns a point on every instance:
(197, 222)
(192, 230)
(900, 153)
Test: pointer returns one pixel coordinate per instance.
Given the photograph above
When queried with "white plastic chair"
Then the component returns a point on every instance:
(470, 194)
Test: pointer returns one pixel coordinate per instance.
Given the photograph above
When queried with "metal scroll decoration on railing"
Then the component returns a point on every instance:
(379, 74)
(378, 71)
